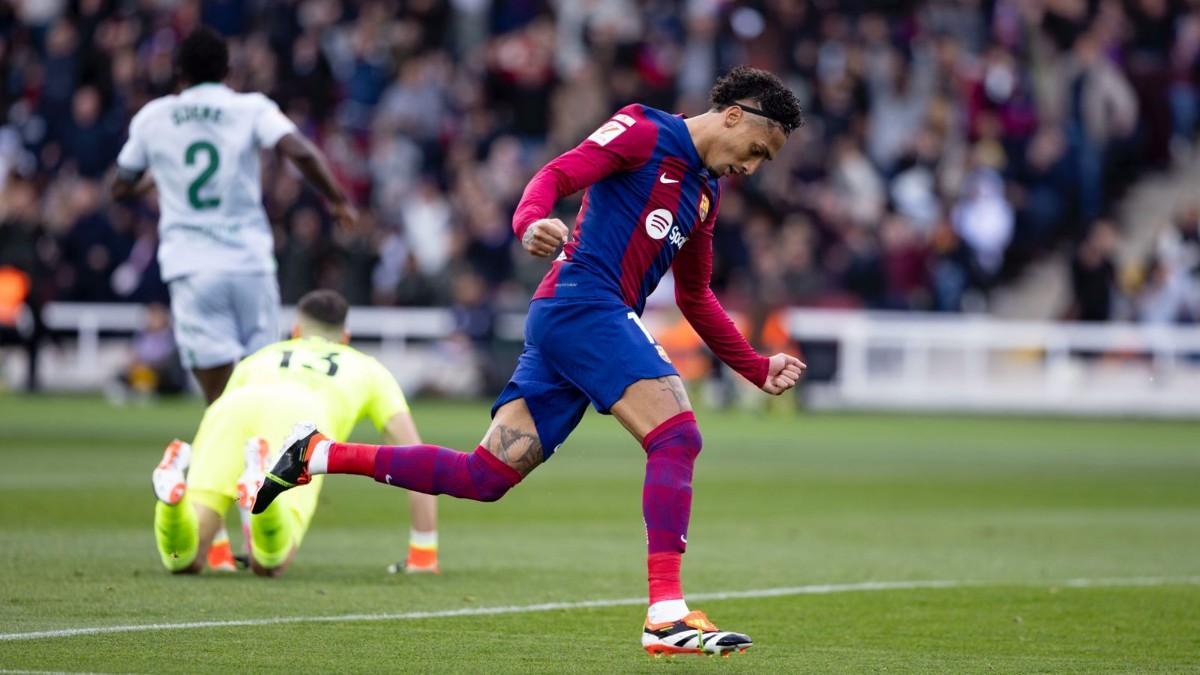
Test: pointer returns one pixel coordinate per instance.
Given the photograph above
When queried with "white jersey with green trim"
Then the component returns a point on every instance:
(202, 149)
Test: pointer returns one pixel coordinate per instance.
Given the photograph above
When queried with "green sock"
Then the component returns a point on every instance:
(271, 535)
(177, 534)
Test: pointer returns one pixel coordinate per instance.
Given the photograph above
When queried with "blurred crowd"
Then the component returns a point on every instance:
(947, 145)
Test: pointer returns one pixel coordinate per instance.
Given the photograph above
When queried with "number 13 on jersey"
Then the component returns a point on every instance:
(326, 363)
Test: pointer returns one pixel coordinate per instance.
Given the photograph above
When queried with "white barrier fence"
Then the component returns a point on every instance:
(96, 342)
(909, 361)
(902, 361)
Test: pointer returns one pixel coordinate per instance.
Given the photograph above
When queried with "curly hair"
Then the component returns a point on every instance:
(203, 56)
(776, 101)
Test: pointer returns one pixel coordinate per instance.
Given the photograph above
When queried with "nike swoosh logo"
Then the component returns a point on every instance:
(666, 181)
(387, 478)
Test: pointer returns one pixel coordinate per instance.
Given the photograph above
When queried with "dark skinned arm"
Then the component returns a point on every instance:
(129, 184)
(308, 160)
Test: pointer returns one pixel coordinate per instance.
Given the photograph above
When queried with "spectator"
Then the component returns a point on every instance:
(1094, 274)
(983, 218)
(1185, 87)
(88, 139)
(299, 255)
(947, 143)
(427, 223)
(1177, 294)
(23, 287)
(901, 89)
(154, 366)
(1101, 108)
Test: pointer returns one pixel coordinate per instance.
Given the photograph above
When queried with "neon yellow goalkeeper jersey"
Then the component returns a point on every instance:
(351, 384)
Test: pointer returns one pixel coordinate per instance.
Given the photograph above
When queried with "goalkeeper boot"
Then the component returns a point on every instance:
(167, 478)
(693, 634)
(419, 561)
(291, 469)
(257, 452)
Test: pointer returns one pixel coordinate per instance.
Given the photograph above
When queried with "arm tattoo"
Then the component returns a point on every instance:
(674, 385)
(518, 449)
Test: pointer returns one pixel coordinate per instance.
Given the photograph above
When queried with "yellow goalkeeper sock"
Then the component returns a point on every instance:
(271, 535)
(177, 534)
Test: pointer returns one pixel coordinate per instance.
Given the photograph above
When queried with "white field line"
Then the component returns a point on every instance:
(5, 671)
(815, 589)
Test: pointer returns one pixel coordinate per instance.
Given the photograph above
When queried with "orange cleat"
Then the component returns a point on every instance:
(167, 478)
(693, 634)
(420, 560)
(257, 452)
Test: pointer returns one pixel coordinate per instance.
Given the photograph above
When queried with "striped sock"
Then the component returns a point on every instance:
(671, 451)
(436, 470)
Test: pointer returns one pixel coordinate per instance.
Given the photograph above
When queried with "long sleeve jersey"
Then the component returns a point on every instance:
(650, 205)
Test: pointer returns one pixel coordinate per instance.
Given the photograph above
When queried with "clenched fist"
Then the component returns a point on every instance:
(783, 373)
(543, 237)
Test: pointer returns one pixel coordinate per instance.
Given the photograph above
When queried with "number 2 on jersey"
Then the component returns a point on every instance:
(214, 161)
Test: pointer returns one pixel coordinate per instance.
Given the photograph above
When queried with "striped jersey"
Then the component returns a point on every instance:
(650, 206)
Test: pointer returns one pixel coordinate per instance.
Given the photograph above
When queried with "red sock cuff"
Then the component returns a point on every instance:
(663, 573)
(356, 458)
(511, 475)
(685, 417)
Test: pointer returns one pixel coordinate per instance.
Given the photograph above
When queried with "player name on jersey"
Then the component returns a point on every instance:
(196, 113)
(202, 147)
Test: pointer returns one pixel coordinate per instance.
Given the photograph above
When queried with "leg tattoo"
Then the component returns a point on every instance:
(674, 386)
(518, 449)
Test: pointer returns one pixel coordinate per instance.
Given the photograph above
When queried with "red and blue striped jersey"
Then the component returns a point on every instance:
(650, 206)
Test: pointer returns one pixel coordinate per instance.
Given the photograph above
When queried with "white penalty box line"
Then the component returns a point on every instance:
(814, 589)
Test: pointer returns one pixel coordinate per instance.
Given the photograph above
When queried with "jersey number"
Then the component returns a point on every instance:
(632, 316)
(214, 160)
(330, 360)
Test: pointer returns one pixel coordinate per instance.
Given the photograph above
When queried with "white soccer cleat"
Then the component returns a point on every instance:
(693, 634)
(257, 453)
(168, 479)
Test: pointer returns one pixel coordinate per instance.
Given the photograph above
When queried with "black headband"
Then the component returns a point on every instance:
(761, 113)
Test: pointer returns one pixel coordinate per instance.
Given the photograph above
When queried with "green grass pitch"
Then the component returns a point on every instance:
(1015, 506)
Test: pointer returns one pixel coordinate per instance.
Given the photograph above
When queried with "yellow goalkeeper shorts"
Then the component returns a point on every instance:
(266, 410)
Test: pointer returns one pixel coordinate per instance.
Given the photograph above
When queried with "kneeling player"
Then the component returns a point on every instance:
(651, 205)
(314, 376)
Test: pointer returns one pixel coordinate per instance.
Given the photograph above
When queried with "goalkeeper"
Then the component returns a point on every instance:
(314, 376)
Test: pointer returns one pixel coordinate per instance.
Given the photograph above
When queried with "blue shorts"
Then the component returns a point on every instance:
(579, 351)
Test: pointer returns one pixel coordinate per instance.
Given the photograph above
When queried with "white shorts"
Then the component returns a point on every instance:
(220, 318)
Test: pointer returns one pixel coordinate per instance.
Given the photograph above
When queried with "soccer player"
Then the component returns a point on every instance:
(201, 149)
(652, 198)
(314, 376)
